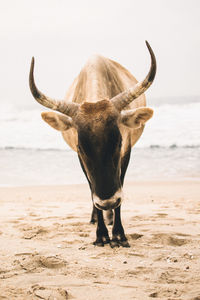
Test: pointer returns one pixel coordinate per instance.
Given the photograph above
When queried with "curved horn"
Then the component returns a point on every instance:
(126, 97)
(69, 109)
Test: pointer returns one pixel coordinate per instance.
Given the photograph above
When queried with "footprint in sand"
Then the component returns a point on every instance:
(134, 236)
(52, 262)
(49, 293)
(168, 239)
(32, 231)
(27, 262)
(169, 293)
(32, 262)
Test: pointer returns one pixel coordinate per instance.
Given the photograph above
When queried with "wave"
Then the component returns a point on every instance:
(173, 146)
(33, 149)
(172, 126)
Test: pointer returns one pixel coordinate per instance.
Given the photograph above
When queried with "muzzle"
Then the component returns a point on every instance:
(110, 203)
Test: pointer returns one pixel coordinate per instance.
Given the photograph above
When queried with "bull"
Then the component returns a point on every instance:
(101, 118)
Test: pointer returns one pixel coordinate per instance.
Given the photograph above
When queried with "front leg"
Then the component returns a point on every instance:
(102, 236)
(118, 236)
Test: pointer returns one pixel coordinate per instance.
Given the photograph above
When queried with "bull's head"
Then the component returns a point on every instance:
(99, 140)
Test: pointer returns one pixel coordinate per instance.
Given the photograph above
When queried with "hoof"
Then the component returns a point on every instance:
(100, 242)
(119, 241)
(114, 244)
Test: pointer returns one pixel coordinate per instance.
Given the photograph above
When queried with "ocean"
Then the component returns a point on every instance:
(32, 153)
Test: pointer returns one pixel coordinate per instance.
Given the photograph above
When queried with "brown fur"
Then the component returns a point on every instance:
(111, 79)
(102, 78)
(90, 109)
(95, 117)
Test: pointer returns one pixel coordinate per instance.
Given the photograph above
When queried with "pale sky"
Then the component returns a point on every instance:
(63, 34)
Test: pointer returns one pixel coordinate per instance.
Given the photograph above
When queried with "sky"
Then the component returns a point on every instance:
(63, 34)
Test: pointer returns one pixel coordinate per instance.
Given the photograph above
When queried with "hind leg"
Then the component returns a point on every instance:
(108, 215)
(118, 235)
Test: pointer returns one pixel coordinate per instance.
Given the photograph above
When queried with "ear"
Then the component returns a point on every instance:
(135, 118)
(57, 121)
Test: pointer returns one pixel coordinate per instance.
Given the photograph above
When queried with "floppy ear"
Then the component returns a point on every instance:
(57, 121)
(135, 118)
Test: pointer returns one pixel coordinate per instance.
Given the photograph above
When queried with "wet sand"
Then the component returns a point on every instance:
(46, 249)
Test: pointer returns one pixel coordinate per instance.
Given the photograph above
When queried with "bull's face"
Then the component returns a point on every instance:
(100, 157)
(99, 146)
(99, 143)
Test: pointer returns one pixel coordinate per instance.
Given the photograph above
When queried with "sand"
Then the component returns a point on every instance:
(46, 249)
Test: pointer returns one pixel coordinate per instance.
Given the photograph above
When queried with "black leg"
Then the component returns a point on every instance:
(108, 215)
(102, 231)
(118, 236)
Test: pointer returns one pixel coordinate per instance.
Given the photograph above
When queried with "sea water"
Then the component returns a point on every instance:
(32, 153)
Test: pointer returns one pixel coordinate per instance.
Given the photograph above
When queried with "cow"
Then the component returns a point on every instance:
(101, 118)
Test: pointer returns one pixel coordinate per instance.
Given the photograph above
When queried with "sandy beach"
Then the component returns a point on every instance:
(47, 252)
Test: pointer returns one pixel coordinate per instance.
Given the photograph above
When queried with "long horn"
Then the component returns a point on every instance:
(126, 97)
(69, 109)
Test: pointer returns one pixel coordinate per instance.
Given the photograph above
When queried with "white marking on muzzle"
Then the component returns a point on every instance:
(110, 203)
